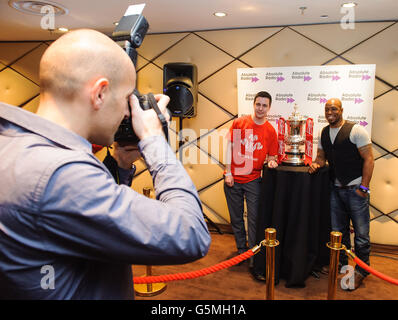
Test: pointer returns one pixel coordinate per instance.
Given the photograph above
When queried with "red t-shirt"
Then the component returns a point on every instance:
(251, 143)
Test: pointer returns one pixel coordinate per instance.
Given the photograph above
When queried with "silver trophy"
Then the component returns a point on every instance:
(294, 139)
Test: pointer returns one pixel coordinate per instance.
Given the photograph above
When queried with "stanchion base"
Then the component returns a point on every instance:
(141, 289)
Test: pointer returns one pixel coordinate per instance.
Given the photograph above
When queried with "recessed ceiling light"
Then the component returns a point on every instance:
(62, 29)
(220, 14)
(349, 5)
(324, 16)
(35, 7)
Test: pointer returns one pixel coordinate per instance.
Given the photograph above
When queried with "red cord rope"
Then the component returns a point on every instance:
(195, 274)
(378, 274)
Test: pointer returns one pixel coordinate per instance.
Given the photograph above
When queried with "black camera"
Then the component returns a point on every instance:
(132, 29)
(125, 133)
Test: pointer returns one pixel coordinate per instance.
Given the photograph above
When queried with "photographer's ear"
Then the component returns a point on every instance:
(99, 90)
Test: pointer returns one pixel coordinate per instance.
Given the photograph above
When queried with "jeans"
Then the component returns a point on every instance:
(347, 205)
(235, 196)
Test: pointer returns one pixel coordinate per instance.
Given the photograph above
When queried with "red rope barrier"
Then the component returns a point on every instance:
(195, 274)
(378, 274)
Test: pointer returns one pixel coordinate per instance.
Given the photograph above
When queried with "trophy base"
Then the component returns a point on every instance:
(293, 159)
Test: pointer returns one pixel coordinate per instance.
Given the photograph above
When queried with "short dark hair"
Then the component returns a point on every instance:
(263, 94)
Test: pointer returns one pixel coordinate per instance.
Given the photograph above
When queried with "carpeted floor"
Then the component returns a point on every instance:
(236, 283)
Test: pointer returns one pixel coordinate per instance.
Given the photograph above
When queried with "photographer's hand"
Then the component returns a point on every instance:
(146, 122)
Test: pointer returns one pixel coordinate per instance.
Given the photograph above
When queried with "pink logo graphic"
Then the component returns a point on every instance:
(363, 123)
(280, 79)
(358, 100)
(322, 100)
(307, 78)
(365, 77)
(290, 100)
(255, 79)
(335, 78)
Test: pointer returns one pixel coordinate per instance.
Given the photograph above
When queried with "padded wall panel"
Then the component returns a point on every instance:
(385, 121)
(384, 184)
(194, 50)
(214, 198)
(32, 105)
(225, 82)
(236, 42)
(378, 152)
(10, 52)
(16, 89)
(287, 48)
(150, 79)
(386, 59)
(212, 215)
(343, 39)
(381, 230)
(153, 45)
(215, 142)
(29, 64)
(141, 62)
(202, 169)
(208, 117)
(374, 213)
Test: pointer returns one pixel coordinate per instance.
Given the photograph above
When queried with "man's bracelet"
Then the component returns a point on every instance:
(364, 189)
(228, 174)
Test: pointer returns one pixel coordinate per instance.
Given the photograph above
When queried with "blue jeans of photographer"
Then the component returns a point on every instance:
(347, 205)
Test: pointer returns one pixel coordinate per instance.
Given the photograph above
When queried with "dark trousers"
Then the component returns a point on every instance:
(347, 205)
(235, 196)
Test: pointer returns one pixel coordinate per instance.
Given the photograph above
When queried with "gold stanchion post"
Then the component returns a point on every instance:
(149, 289)
(335, 246)
(270, 243)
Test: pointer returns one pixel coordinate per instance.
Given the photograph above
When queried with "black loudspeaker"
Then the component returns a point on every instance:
(180, 83)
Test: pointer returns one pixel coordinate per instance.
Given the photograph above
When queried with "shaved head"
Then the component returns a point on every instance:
(334, 112)
(78, 58)
(334, 102)
(86, 81)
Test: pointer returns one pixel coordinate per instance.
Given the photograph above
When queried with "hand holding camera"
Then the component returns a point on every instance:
(146, 122)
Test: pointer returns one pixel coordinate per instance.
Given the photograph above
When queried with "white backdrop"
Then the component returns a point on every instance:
(310, 87)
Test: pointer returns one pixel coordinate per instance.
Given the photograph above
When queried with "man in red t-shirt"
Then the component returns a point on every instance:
(252, 141)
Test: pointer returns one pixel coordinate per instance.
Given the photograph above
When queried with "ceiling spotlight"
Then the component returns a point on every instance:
(349, 5)
(219, 14)
(63, 29)
(36, 7)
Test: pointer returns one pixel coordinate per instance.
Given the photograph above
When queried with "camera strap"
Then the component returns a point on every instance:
(162, 118)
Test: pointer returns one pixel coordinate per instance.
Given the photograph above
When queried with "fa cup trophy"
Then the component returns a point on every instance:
(295, 147)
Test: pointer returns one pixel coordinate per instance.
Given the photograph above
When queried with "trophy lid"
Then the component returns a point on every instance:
(296, 116)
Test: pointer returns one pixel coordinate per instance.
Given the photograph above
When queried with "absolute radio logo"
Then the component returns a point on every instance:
(302, 75)
(359, 74)
(317, 97)
(287, 97)
(334, 75)
(278, 76)
(252, 76)
(352, 97)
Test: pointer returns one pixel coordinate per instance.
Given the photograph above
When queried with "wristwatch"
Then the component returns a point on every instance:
(364, 189)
